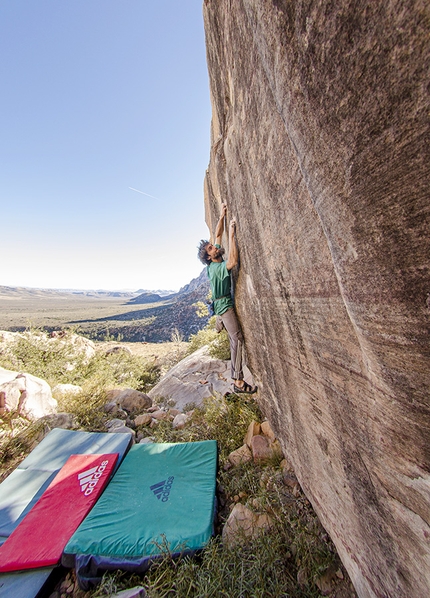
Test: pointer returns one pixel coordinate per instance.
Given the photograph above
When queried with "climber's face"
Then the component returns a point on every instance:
(213, 252)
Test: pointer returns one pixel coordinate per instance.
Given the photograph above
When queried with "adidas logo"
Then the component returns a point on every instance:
(162, 489)
(89, 479)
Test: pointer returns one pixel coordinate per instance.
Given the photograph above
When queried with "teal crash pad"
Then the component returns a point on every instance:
(162, 496)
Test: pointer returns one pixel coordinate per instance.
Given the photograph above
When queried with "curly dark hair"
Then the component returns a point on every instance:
(202, 253)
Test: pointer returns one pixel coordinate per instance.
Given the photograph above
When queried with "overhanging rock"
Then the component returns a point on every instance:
(320, 149)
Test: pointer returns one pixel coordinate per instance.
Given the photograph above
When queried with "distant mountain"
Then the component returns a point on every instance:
(28, 292)
(161, 293)
(174, 312)
(199, 285)
(170, 314)
(147, 297)
(121, 294)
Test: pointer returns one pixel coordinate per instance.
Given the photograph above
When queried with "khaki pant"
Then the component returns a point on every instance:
(235, 336)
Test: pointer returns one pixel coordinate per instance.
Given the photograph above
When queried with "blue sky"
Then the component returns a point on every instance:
(99, 96)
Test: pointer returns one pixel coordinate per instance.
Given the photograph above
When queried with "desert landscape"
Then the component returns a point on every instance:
(143, 316)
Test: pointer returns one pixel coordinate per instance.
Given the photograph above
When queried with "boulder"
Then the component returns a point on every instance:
(114, 423)
(81, 344)
(26, 394)
(194, 379)
(261, 449)
(112, 394)
(254, 428)
(120, 428)
(182, 384)
(147, 440)
(67, 421)
(244, 524)
(161, 415)
(133, 401)
(143, 420)
(180, 421)
(240, 455)
(320, 147)
(266, 429)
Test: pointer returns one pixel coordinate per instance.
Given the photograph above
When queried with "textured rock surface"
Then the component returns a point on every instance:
(320, 147)
(133, 401)
(194, 379)
(244, 523)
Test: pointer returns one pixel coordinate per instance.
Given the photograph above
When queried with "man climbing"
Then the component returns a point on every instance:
(219, 273)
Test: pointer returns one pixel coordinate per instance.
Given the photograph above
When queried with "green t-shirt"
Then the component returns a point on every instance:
(220, 281)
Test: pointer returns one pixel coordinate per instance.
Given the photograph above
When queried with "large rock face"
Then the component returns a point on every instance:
(320, 147)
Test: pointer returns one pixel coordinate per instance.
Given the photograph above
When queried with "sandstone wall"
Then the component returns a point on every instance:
(320, 146)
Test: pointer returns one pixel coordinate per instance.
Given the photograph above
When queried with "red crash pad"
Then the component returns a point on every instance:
(40, 538)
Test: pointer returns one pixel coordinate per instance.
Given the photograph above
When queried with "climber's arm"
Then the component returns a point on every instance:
(220, 226)
(233, 253)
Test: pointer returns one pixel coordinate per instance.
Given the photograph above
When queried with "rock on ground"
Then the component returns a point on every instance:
(143, 420)
(28, 395)
(132, 401)
(243, 524)
(194, 379)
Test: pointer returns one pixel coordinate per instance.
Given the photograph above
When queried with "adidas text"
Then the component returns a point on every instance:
(89, 479)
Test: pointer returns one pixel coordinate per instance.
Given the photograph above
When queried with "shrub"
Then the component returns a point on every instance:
(62, 360)
(52, 359)
(219, 345)
(296, 546)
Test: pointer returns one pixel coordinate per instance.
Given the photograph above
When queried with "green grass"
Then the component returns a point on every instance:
(266, 566)
(218, 419)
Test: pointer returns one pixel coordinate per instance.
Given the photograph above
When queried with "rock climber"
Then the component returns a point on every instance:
(219, 274)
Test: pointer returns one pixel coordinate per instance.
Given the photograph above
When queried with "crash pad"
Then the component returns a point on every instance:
(24, 486)
(39, 539)
(161, 498)
(25, 584)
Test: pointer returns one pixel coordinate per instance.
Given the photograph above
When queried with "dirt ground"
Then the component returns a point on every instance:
(56, 309)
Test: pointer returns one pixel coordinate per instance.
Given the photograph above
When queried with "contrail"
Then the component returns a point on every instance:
(147, 194)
